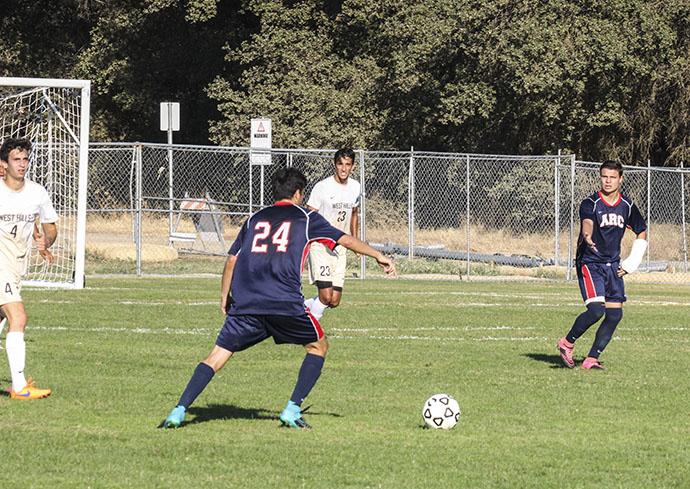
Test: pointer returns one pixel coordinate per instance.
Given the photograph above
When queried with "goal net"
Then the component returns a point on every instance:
(54, 116)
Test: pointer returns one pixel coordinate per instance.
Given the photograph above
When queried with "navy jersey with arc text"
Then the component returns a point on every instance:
(610, 223)
(271, 248)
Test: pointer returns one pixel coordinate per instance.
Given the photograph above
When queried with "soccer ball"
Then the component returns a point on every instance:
(441, 411)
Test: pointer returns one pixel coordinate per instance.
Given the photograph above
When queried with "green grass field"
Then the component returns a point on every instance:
(119, 353)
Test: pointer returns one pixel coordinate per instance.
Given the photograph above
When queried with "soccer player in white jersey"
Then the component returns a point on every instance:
(337, 199)
(22, 202)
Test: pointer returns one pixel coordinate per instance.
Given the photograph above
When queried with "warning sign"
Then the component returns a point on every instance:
(260, 140)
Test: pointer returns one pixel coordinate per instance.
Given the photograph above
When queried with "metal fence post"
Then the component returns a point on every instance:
(649, 210)
(251, 183)
(139, 205)
(410, 207)
(556, 208)
(682, 196)
(569, 272)
(467, 212)
(362, 214)
(171, 204)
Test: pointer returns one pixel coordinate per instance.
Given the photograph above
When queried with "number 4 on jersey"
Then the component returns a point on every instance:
(281, 237)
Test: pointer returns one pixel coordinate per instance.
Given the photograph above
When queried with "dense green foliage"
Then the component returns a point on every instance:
(119, 353)
(599, 78)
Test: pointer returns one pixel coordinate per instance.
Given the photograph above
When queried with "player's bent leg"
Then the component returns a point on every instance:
(218, 357)
(309, 373)
(318, 305)
(203, 373)
(335, 297)
(325, 293)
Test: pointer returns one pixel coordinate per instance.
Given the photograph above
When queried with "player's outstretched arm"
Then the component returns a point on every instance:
(352, 243)
(225, 282)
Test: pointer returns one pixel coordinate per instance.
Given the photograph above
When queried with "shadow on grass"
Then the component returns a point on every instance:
(5, 391)
(554, 360)
(214, 412)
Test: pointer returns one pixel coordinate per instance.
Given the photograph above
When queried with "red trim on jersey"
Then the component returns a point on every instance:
(618, 200)
(589, 284)
(327, 242)
(317, 326)
(282, 202)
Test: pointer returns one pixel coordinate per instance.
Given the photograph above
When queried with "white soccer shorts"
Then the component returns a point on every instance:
(326, 265)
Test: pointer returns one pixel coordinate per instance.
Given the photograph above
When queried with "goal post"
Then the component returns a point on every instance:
(54, 115)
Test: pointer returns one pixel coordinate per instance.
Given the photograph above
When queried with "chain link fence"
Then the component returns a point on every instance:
(173, 209)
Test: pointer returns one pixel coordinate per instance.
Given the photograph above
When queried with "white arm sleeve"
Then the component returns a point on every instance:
(632, 262)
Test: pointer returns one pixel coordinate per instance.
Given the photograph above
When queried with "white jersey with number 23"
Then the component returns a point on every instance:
(335, 201)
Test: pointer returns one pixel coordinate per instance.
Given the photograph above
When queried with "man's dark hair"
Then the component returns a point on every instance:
(286, 182)
(611, 165)
(344, 153)
(12, 144)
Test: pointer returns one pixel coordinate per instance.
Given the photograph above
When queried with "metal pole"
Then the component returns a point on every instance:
(289, 159)
(261, 195)
(467, 213)
(649, 210)
(171, 204)
(685, 238)
(251, 182)
(139, 204)
(362, 214)
(569, 272)
(556, 209)
(410, 207)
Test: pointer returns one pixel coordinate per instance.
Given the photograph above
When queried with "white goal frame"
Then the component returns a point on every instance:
(82, 139)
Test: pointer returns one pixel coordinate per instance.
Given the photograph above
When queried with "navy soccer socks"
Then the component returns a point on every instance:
(308, 375)
(605, 331)
(200, 379)
(594, 313)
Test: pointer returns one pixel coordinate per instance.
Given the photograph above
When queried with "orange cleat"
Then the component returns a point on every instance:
(29, 392)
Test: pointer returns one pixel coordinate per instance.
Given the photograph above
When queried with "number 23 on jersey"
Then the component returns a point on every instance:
(280, 238)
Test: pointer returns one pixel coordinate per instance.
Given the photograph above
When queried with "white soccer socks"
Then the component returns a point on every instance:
(16, 356)
(316, 308)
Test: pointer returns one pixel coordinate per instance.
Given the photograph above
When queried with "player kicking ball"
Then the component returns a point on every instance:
(604, 216)
(337, 199)
(22, 203)
(263, 276)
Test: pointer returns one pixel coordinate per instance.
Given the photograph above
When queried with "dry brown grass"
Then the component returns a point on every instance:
(665, 242)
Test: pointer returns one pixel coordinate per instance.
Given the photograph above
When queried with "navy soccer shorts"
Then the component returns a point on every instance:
(241, 332)
(599, 282)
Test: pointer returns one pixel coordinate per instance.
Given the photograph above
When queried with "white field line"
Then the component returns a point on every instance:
(341, 333)
(541, 296)
(373, 304)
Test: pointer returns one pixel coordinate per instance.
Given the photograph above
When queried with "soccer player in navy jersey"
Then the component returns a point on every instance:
(604, 218)
(263, 276)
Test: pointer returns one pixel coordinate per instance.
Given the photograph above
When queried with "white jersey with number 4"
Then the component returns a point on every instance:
(18, 212)
(335, 201)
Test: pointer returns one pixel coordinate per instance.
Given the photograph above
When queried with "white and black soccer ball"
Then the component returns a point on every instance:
(441, 411)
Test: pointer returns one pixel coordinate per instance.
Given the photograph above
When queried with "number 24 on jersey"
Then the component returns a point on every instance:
(262, 233)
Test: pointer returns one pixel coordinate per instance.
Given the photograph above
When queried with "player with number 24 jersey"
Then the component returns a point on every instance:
(278, 238)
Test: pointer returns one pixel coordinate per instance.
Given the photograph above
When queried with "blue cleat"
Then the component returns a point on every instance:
(175, 418)
(291, 417)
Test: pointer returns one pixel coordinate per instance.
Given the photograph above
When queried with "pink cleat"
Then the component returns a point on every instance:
(592, 363)
(565, 348)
